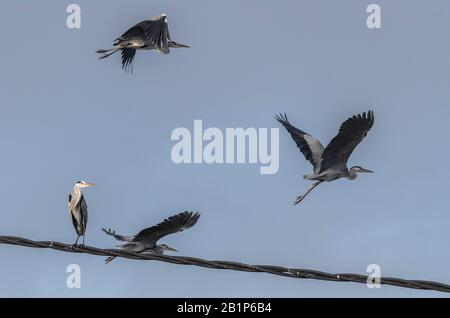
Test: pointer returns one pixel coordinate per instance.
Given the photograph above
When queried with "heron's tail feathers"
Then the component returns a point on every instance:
(309, 177)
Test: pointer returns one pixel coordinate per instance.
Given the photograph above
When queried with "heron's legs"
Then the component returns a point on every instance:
(109, 259)
(301, 197)
(76, 241)
(107, 53)
(83, 239)
(102, 51)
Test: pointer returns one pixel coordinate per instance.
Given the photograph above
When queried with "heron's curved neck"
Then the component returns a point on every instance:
(158, 250)
(352, 174)
(76, 189)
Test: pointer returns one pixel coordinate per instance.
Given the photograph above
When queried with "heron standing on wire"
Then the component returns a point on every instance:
(150, 34)
(78, 209)
(330, 163)
(145, 240)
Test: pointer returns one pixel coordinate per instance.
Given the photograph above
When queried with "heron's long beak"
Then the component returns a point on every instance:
(89, 184)
(366, 170)
(182, 45)
(168, 248)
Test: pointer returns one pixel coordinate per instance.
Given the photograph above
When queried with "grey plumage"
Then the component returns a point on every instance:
(330, 163)
(351, 133)
(310, 147)
(152, 34)
(146, 240)
(78, 209)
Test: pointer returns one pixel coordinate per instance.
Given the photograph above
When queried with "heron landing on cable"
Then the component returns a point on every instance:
(78, 209)
(152, 34)
(146, 240)
(330, 163)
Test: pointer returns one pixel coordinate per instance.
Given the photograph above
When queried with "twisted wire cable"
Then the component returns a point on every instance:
(228, 265)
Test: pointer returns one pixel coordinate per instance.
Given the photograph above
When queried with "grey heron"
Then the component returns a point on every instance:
(152, 34)
(330, 163)
(78, 209)
(146, 240)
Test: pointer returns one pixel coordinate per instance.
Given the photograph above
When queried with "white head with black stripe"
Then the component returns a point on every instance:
(83, 184)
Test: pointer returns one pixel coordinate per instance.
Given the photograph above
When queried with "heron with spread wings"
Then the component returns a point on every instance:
(146, 240)
(152, 34)
(330, 163)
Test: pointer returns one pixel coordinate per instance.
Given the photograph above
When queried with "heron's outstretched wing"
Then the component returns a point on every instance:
(157, 32)
(128, 55)
(154, 31)
(173, 224)
(351, 133)
(136, 31)
(310, 147)
(118, 236)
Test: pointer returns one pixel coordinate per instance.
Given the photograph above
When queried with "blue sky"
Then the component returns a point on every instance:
(67, 116)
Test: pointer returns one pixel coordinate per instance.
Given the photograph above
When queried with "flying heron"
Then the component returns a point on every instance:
(78, 209)
(145, 240)
(330, 163)
(150, 34)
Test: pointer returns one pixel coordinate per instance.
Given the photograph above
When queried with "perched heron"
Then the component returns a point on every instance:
(78, 209)
(145, 241)
(150, 34)
(330, 163)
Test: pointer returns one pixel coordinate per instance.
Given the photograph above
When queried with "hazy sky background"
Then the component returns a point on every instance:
(67, 116)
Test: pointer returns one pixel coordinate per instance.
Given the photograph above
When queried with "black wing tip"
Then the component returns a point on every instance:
(282, 118)
(109, 231)
(192, 214)
(194, 219)
(367, 115)
(187, 214)
(188, 218)
(361, 122)
(128, 55)
(127, 68)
